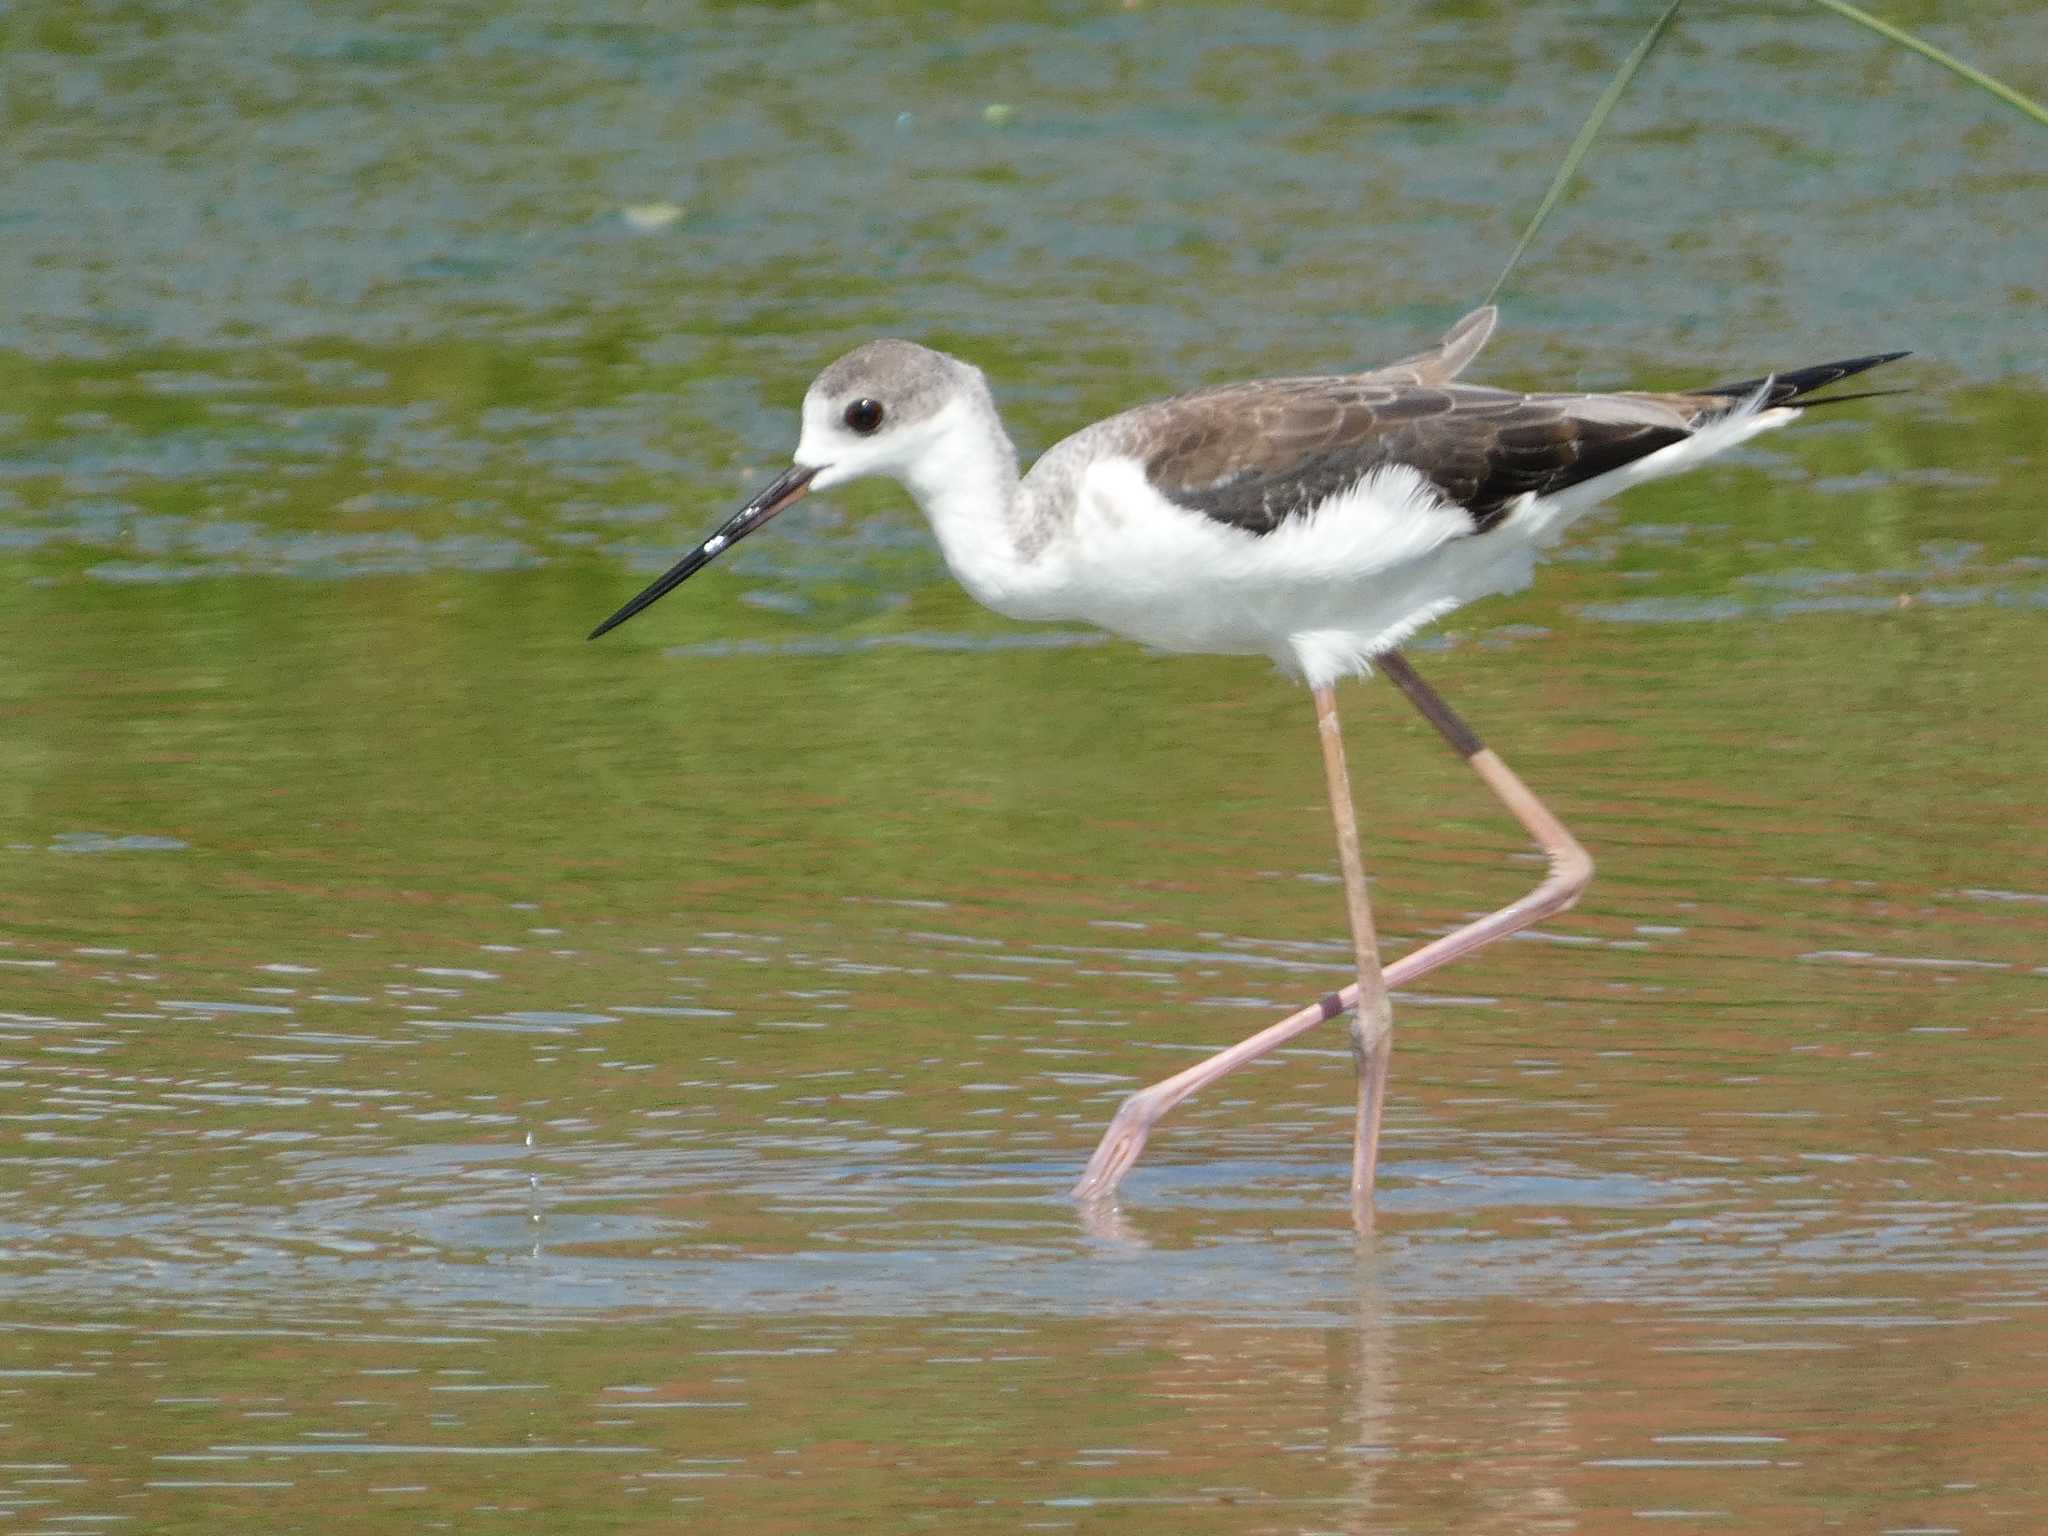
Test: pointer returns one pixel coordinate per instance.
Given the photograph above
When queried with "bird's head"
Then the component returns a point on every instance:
(886, 408)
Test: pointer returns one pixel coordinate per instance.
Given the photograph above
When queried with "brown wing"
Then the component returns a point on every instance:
(1255, 455)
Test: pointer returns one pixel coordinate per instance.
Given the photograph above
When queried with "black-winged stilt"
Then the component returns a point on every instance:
(1319, 521)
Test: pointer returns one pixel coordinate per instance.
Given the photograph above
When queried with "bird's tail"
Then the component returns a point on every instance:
(1792, 387)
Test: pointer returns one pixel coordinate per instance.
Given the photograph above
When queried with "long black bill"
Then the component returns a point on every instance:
(788, 487)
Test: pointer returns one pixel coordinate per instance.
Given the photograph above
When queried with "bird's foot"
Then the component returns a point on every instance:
(1117, 1152)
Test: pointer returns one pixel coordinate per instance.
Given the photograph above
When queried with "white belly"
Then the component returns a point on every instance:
(1320, 595)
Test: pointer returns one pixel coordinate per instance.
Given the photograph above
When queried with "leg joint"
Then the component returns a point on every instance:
(1571, 867)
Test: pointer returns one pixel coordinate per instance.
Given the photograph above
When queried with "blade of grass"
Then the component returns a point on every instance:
(1948, 61)
(1584, 141)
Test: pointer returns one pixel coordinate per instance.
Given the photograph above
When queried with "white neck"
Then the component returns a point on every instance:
(965, 479)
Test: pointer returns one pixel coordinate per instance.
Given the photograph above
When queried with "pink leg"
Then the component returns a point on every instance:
(1372, 1018)
(1570, 871)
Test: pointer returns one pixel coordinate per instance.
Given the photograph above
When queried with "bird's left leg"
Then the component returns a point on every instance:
(1372, 1018)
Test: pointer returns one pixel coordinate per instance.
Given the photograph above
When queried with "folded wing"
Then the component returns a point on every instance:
(1255, 456)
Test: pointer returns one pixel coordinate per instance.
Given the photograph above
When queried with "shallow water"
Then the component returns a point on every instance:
(454, 1076)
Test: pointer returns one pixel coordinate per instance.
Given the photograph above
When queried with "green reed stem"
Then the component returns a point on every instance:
(1584, 141)
(1948, 61)
(1634, 62)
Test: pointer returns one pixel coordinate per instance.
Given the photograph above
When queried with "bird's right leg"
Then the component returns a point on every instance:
(1571, 869)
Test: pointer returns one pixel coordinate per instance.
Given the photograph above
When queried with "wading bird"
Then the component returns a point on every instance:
(1319, 521)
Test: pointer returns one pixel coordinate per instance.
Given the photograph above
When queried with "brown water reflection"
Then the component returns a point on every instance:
(1500, 1415)
(453, 1076)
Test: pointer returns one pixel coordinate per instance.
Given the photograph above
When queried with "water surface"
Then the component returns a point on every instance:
(458, 1073)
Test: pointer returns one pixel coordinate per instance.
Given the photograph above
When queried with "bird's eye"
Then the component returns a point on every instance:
(864, 415)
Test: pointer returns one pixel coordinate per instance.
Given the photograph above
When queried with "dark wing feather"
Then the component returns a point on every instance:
(1255, 455)
(1795, 383)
